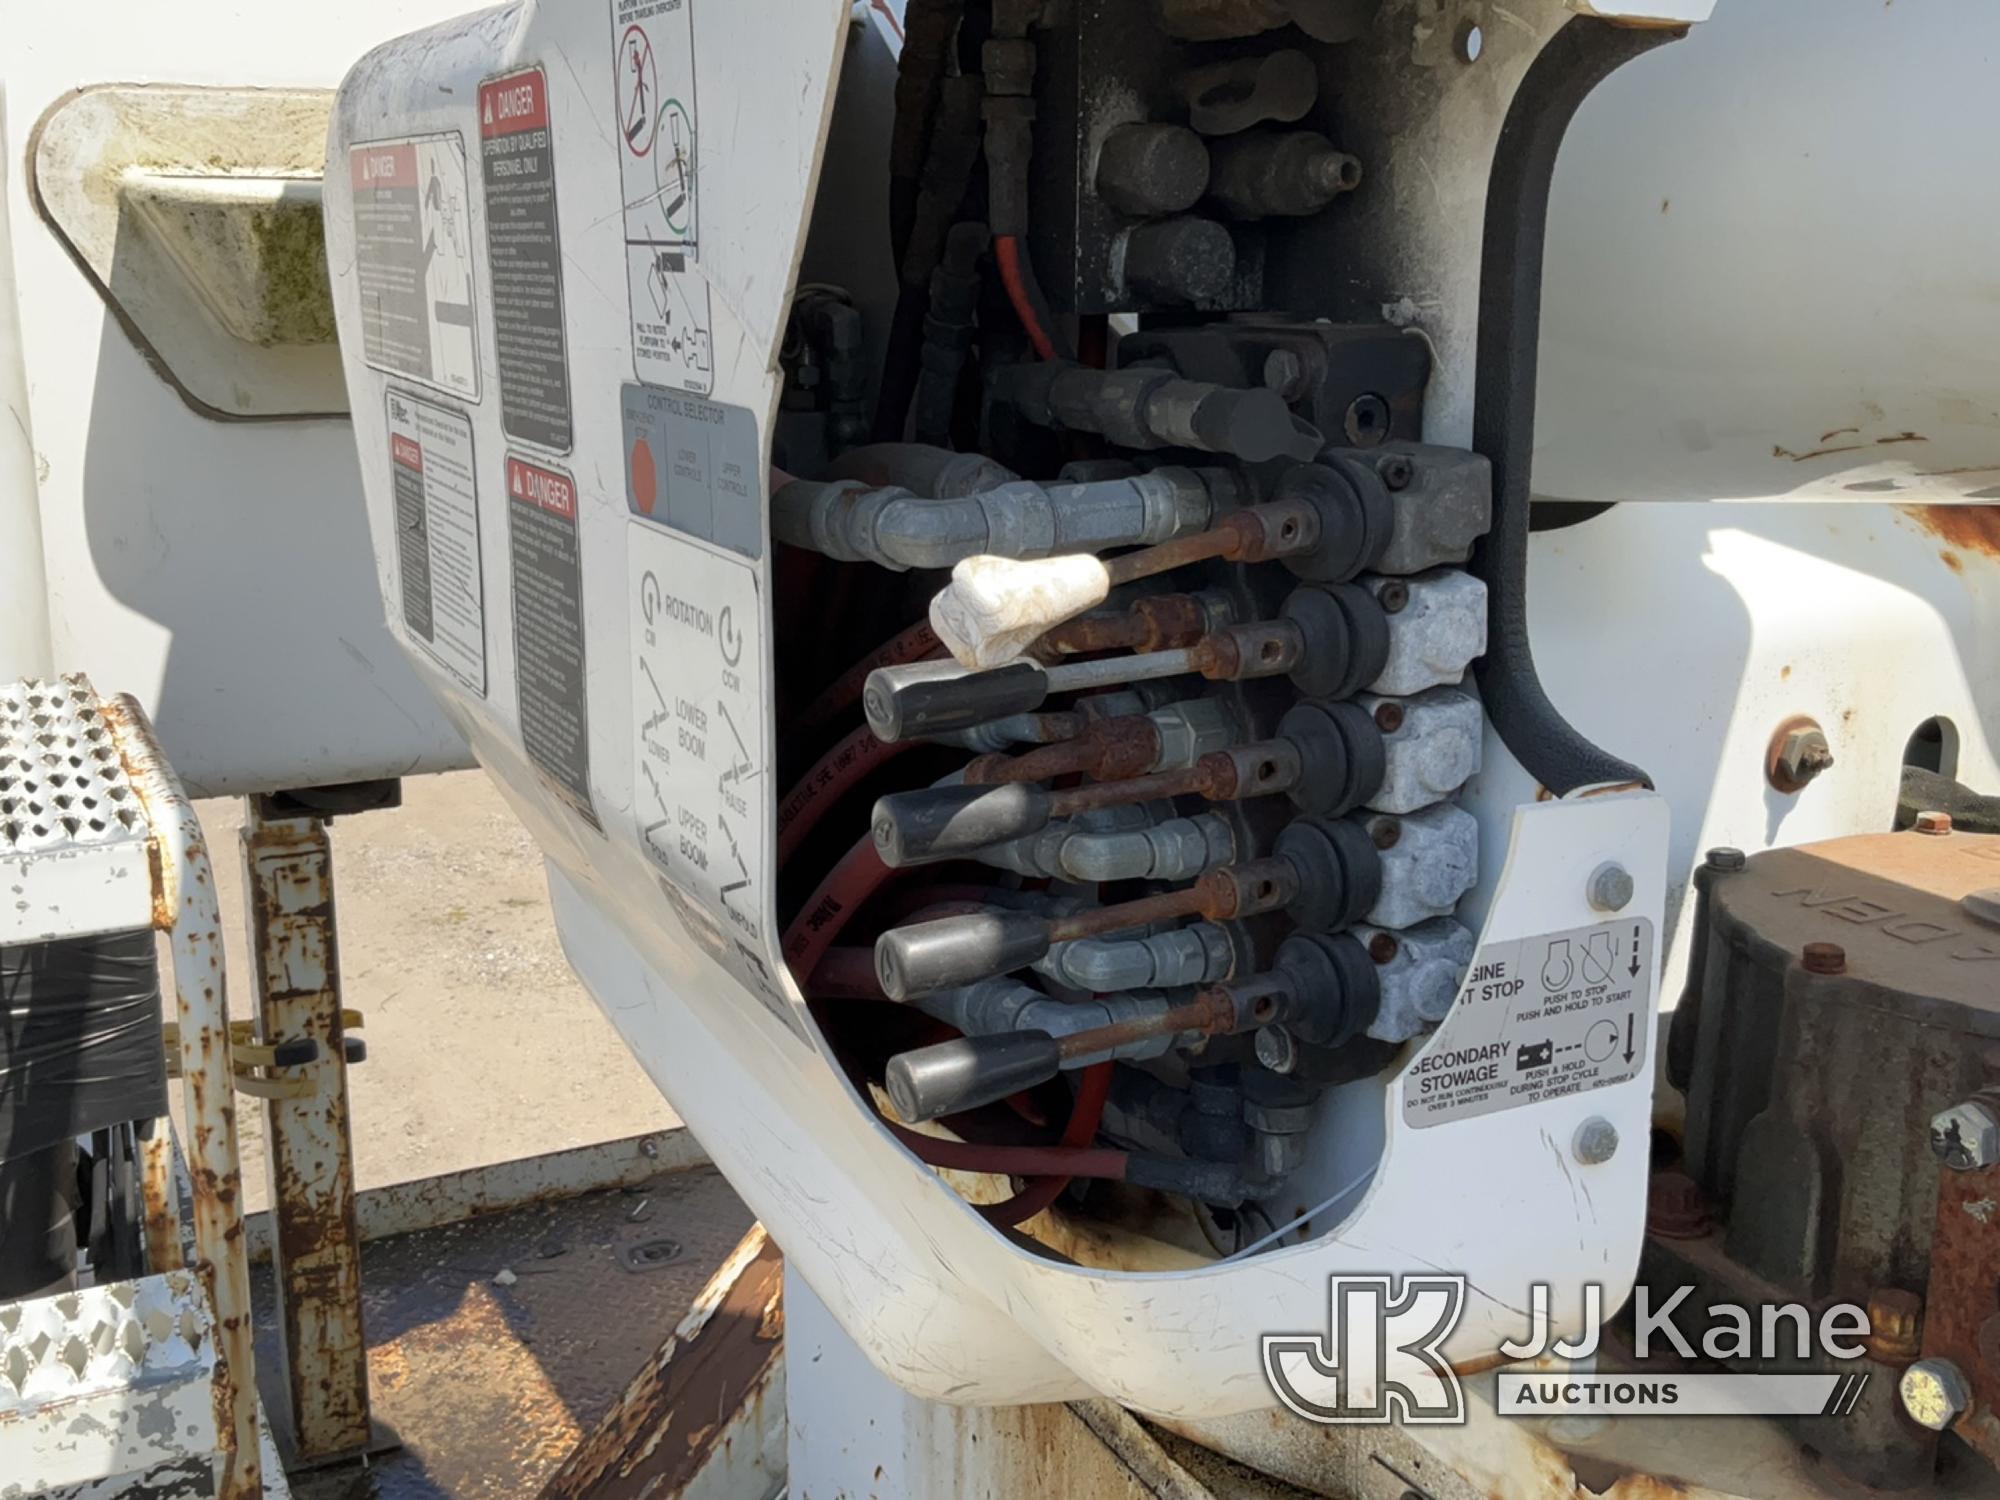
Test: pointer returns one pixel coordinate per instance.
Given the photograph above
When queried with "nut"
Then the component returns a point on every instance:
(1596, 1141)
(1932, 822)
(1609, 887)
(1935, 1393)
(1798, 752)
(1824, 958)
(1895, 1326)
(1966, 1137)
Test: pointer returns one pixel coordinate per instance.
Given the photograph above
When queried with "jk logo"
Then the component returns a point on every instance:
(1379, 1360)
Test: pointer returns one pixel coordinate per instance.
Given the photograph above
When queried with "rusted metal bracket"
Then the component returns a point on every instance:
(294, 948)
(248, 1055)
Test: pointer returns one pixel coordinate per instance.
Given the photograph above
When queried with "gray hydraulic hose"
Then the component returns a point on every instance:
(889, 526)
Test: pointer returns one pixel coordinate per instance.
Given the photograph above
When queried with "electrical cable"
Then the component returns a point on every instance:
(1289, 1225)
(1017, 278)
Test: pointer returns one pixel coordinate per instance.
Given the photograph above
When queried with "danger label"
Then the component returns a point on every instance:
(1539, 1018)
(524, 254)
(438, 566)
(549, 664)
(413, 261)
(659, 164)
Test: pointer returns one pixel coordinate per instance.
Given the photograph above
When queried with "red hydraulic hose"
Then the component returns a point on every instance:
(1012, 1161)
(846, 974)
(837, 773)
(1013, 276)
(1084, 1117)
(914, 644)
(846, 889)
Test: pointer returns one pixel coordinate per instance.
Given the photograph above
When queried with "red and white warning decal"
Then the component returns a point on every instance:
(659, 162)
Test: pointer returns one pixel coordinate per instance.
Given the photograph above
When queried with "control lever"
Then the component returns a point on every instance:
(1328, 757)
(1326, 984)
(1331, 639)
(1324, 875)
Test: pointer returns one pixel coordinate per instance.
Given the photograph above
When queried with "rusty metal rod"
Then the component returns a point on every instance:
(1161, 623)
(1257, 533)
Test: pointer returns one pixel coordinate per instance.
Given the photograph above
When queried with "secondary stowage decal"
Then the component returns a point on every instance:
(524, 257)
(413, 260)
(700, 792)
(549, 664)
(1539, 1018)
(439, 582)
(659, 167)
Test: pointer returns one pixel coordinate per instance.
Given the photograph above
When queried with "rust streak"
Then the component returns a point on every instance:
(1969, 528)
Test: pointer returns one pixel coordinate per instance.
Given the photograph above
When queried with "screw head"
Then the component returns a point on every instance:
(1396, 471)
(1824, 958)
(1726, 860)
(1393, 596)
(1385, 833)
(1609, 887)
(1383, 947)
(1676, 1208)
(1966, 1137)
(1935, 1393)
(1389, 717)
(1596, 1141)
(1932, 822)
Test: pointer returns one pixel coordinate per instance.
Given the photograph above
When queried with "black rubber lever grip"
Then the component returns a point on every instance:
(295, 1053)
(969, 1071)
(926, 957)
(935, 697)
(950, 822)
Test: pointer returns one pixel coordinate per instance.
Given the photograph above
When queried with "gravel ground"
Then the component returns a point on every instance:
(482, 1046)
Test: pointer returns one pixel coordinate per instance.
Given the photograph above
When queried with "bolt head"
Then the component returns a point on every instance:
(1726, 860)
(1285, 373)
(1799, 754)
(1596, 1142)
(1824, 958)
(1610, 887)
(1895, 1325)
(1935, 1393)
(1966, 1137)
(1277, 1049)
(1933, 822)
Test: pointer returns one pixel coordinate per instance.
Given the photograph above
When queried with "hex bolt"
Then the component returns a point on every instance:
(1966, 1137)
(1726, 861)
(1596, 1141)
(1935, 1393)
(1610, 887)
(1932, 822)
(1676, 1208)
(1798, 752)
(1824, 958)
